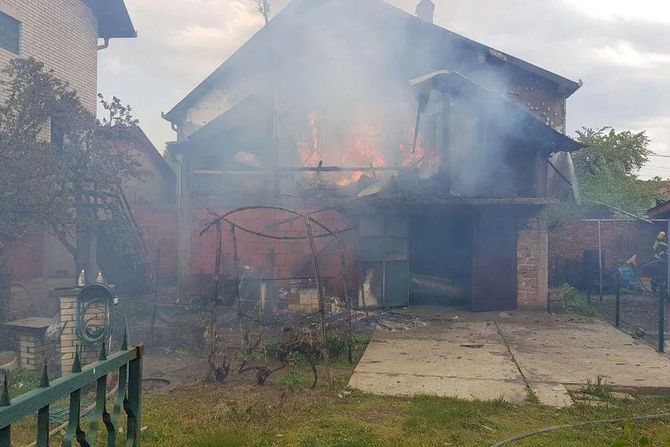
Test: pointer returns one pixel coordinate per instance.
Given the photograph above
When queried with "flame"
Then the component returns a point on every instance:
(362, 150)
(309, 151)
(362, 147)
(427, 162)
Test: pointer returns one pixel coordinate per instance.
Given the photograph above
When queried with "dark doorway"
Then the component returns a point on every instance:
(440, 252)
(495, 264)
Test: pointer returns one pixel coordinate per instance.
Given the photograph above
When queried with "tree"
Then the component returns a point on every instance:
(608, 169)
(60, 167)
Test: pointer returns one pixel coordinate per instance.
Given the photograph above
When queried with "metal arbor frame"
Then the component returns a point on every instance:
(128, 364)
(309, 222)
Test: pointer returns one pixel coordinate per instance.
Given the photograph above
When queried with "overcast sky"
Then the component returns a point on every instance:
(619, 48)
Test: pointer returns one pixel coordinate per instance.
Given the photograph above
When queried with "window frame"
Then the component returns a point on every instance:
(5, 21)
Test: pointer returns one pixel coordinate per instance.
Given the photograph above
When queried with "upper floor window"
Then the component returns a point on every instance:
(10, 32)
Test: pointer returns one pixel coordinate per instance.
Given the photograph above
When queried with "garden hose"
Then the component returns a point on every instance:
(95, 317)
(553, 428)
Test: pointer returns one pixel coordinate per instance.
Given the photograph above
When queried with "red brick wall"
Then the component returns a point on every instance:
(25, 257)
(532, 275)
(159, 229)
(277, 259)
(620, 241)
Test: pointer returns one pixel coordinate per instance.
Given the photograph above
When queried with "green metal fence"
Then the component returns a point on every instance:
(128, 400)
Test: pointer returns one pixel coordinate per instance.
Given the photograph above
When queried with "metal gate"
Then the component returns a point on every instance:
(127, 363)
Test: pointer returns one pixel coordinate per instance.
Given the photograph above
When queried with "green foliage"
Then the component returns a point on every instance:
(599, 388)
(576, 303)
(338, 344)
(294, 380)
(60, 167)
(21, 382)
(623, 153)
(608, 169)
(631, 438)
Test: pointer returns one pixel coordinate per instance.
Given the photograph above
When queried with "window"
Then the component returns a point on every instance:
(57, 134)
(10, 30)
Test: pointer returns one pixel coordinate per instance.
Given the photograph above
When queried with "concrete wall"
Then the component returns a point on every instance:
(61, 33)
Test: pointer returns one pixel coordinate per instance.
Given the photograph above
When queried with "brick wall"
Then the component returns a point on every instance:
(532, 270)
(277, 259)
(159, 229)
(620, 241)
(63, 35)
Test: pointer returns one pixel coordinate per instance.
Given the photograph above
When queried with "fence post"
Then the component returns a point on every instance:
(134, 400)
(617, 311)
(5, 401)
(661, 319)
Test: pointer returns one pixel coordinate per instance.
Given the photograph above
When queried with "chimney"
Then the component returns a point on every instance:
(425, 10)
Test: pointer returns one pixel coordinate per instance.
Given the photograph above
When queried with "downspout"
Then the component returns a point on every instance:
(105, 44)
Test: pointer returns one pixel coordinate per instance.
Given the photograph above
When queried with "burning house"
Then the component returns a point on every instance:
(426, 152)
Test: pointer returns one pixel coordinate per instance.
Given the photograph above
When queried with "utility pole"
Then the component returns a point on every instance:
(264, 8)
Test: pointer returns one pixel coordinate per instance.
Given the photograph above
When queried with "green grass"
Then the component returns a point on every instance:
(278, 416)
(599, 389)
(21, 381)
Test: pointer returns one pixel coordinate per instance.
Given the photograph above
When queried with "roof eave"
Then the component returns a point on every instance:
(566, 87)
(114, 21)
(440, 80)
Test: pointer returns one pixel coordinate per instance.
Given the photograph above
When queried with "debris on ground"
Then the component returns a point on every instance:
(399, 322)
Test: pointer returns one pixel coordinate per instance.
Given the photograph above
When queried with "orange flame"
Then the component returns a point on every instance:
(362, 147)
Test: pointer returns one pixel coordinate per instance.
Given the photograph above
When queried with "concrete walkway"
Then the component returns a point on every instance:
(502, 356)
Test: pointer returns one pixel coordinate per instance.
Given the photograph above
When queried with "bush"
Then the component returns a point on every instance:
(338, 344)
(575, 302)
(294, 380)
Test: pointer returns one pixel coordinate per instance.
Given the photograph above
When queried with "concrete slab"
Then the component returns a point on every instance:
(552, 395)
(438, 358)
(577, 352)
(489, 356)
(444, 358)
(461, 388)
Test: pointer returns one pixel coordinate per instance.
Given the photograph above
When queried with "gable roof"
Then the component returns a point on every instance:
(138, 140)
(113, 19)
(660, 211)
(146, 146)
(439, 37)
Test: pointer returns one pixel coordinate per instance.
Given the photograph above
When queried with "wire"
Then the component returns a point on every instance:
(579, 424)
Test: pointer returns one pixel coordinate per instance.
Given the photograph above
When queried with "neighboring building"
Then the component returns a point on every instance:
(333, 87)
(66, 35)
(152, 217)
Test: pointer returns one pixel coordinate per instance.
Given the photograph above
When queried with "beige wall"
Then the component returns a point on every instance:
(62, 34)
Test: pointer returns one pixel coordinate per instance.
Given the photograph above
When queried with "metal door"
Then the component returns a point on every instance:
(494, 284)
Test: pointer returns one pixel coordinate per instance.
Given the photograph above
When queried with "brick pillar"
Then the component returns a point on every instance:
(533, 263)
(69, 341)
(33, 349)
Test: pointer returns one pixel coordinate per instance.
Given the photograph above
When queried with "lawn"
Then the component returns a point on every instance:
(286, 414)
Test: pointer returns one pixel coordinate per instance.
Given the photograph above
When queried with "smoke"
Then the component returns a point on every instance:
(340, 71)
